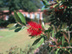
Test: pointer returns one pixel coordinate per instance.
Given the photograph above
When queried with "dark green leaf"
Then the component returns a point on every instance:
(22, 27)
(18, 29)
(49, 30)
(16, 17)
(44, 37)
(36, 41)
(58, 34)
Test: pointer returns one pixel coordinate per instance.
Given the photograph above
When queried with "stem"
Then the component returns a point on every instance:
(69, 37)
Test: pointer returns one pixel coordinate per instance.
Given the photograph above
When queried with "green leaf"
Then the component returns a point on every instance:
(39, 43)
(44, 2)
(11, 25)
(46, 31)
(12, 28)
(42, 26)
(71, 41)
(44, 37)
(48, 35)
(22, 27)
(36, 41)
(57, 51)
(57, 1)
(22, 17)
(52, 33)
(49, 30)
(16, 17)
(18, 29)
(64, 25)
(63, 39)
(32, 37)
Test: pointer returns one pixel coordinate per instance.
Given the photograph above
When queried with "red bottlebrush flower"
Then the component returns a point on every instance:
(34, 29)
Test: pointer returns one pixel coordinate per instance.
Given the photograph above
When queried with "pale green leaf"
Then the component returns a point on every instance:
(11, 25)
(52, 33)
(63, 39)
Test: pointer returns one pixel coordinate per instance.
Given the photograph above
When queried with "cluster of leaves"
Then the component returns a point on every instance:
(58, 35)
(21, 22)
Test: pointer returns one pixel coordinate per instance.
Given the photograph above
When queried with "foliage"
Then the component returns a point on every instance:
(57, 38)
(37, 3)
(10, 4)
(26, 5)
(11, 19)
(3, 23)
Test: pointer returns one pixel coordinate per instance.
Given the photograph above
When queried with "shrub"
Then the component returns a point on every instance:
(3, 23)
(57, 38)
(11, 19)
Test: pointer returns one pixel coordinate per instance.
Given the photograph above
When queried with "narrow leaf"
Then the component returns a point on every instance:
(16, 17)
(65, 36)
(18, 29)
(57, 51)
(22, 27)
(48, 35)
(44, 2)
(64, 25)
(39, 43)
(11, 25)
(52, 33)
(22, 17)
(63, 39)
(36, 41)
(12, 28)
